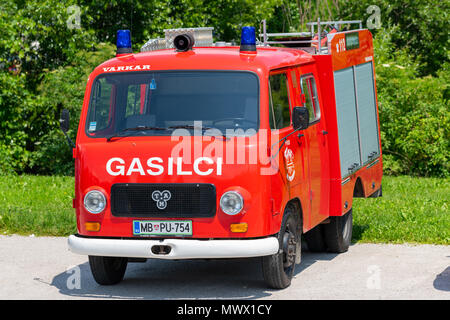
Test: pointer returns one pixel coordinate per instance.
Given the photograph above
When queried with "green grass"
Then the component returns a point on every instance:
(414, 210)
(37, 205)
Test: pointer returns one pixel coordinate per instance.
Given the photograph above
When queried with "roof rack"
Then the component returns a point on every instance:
(302, 38)
(336, 24)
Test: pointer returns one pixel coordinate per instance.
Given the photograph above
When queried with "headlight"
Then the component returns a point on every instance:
(231, 203)
(94, 201)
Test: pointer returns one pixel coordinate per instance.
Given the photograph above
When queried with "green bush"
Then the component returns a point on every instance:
(64, 88)
(34, 39)
(413, 114)
(52, 155)
(6, 167)
(17, 104)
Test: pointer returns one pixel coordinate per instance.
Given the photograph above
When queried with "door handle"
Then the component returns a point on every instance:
(353, 167)
(371, 155)
(324, 132)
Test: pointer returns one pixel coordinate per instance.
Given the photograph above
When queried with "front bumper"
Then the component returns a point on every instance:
(179, 248)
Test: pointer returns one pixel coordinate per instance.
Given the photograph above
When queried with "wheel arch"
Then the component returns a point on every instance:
(358, 189)
(297, 205)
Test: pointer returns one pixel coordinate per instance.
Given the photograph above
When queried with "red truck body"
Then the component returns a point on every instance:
(305, 168)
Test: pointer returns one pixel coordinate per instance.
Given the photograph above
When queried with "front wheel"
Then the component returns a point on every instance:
(108, 270)
(278, 269)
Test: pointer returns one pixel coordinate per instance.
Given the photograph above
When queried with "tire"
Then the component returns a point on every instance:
(315, 239)
(338, 233)
(377, 194)
(278, 269)
(108, 270)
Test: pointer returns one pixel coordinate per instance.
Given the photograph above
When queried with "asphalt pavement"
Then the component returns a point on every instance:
(43, 268)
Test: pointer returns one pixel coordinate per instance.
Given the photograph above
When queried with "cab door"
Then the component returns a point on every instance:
(317, 153)
(286, 146)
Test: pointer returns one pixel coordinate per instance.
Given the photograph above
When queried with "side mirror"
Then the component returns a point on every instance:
(65, 120)
(300, 118)
(64, 125)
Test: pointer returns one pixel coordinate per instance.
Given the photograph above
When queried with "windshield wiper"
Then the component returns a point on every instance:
(145, 128)
(188, 126)
(138, 128)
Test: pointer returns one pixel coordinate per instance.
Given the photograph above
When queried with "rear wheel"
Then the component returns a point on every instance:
(377, 194)
(278, 269)
(315, 239)
(338, 233)
(108, 270)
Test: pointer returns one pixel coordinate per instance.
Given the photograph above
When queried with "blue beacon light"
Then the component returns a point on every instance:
(248, 39)
(123, 42)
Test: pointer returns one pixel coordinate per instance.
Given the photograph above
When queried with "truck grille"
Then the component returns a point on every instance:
(187, 200)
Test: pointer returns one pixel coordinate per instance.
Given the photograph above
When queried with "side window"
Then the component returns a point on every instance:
(100, 116)
(279, 101)
(311, 99)
(133, 100)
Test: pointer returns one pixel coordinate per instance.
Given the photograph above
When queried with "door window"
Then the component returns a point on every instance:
(279, 113)
(311, 98)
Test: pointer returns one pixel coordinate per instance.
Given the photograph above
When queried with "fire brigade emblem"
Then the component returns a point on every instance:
(161, 198)
(290, 167)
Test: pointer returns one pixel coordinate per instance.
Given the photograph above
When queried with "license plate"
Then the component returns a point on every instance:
(159, 228)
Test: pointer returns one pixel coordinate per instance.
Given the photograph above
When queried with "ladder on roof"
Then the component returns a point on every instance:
(309, 34)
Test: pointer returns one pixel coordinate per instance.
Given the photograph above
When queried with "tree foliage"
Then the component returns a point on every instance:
(35, 36)
(64, 88)
(148, 19)
(48, 49)
(420, 28)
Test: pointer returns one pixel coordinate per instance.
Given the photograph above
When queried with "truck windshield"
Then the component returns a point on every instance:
(157, 103)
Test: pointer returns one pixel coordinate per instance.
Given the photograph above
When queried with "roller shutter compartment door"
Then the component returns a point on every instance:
(349, 149)
(367, 112)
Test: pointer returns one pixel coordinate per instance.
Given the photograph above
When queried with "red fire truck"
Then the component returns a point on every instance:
(198, 150)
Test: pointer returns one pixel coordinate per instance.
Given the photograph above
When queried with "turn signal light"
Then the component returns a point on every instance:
(92, 226)
(239, 227)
